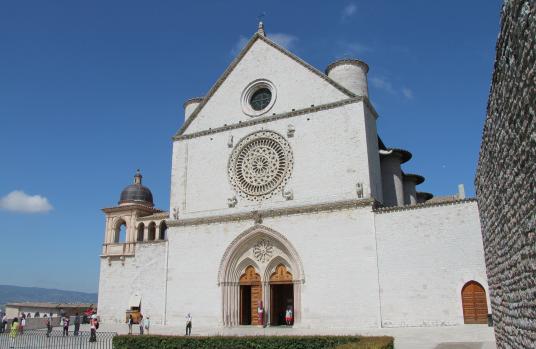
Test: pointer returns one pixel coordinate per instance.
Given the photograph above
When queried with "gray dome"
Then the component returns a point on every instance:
(136, 193)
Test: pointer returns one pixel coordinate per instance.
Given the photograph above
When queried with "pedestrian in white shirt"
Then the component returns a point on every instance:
(189, 324)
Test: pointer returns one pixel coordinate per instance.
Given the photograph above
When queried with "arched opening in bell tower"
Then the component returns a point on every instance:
(120, 232)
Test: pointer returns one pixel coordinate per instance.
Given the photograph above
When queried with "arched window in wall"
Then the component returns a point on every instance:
(162, 231)
(152, 231)
(120, 233)
(141, 229)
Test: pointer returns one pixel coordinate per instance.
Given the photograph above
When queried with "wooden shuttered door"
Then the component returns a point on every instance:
(475, 307)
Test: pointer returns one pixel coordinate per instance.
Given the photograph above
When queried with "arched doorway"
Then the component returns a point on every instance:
(281, 295)
(250, 296)
(475, 306)
(262, 250)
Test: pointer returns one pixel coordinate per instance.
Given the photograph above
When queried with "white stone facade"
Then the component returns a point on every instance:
(346, 260)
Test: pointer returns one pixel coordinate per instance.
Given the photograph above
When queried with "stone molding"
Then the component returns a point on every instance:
(160, 215)
(235, 62)
(258, 229)
(270, 118)
(423, 205)
(275, 212)
(131, 207)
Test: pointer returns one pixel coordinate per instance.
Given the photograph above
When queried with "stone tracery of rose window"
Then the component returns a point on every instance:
(260, 165)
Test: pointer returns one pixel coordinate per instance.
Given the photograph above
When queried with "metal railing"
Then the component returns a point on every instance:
(38, 339)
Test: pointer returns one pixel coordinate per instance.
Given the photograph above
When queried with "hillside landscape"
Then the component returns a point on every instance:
(10, 294)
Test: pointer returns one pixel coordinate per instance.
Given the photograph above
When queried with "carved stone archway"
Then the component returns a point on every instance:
(264, 249)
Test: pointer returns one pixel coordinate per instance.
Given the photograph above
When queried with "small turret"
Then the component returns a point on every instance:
(190, 105)
(351, 74)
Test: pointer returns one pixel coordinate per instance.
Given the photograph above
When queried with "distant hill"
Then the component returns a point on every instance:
(10, 294)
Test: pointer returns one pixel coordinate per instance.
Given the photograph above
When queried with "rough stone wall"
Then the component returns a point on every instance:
(505, 180)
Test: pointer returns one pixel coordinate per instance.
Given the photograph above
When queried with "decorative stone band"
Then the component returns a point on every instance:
(423, 205)
(270, 118)
(258, 215)
(131, 207)
(160, 215)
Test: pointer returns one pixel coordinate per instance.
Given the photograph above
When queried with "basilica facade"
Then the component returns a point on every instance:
(284, 196)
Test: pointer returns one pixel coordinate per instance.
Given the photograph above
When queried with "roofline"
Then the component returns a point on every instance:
(237, 60)
(418, 179)
(422, 205)
(192, 100)
(350, 61)
(130, 207)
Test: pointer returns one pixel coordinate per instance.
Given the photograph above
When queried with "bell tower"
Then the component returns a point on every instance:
(135, 201)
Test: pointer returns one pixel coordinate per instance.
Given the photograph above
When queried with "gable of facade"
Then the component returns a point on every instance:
(294, 85)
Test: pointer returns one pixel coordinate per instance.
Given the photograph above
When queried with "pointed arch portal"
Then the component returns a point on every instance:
(260, 265)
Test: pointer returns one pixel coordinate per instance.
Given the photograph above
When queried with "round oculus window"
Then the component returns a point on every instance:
(260, 99)
(260, 165)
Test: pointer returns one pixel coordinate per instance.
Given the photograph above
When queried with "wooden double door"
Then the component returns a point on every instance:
(281, 296)
(475, 306)
(250, 296)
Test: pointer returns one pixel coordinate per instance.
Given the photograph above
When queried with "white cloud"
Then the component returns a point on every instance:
(348, 11)
(288, 41)
(408, 93)
(19, 201)
(382, 84)
(242, 41)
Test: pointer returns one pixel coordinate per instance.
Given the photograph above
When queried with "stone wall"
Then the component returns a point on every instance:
(426, 254)
(505, 180)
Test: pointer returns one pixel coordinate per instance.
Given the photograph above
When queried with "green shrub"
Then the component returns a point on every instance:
(260, 342)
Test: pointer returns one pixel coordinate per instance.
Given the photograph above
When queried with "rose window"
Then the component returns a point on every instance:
(260, 165)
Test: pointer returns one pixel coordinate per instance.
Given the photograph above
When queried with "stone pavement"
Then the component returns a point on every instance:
(448, 337)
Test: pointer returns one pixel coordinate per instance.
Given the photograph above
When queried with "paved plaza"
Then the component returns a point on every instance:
(451, 337)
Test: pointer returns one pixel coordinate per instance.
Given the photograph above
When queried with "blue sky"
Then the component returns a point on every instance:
(92, 90)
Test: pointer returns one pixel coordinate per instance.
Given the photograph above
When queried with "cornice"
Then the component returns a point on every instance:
(270, 118)
(130, 208)
(159, 215)
(258, 215)
(420, 206)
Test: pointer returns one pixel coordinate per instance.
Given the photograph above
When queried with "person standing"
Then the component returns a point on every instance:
(129, 322)
(141, 324)
(189, 324)
(22, 324)
(260, 313)
(147, 324)
(288, 316)
(3, 325)
(14, 331)
(49, 325)
(66, 321)
(93, 324)
(76, 324)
